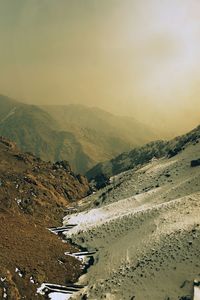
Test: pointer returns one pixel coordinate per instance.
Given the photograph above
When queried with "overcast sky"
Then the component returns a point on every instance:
(131, 57)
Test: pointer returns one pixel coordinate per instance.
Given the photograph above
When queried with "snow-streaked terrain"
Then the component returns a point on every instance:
(11, 112)
(59, 296)
(58, 292)
(146, 228)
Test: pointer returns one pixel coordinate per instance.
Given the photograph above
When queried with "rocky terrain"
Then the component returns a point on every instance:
(145, 226)
(34, 195)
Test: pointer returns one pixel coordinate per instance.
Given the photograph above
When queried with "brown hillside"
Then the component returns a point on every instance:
(33, 196)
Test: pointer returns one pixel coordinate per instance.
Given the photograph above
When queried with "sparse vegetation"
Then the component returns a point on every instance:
(33, 196)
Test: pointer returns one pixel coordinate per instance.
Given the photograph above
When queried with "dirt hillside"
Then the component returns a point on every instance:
(33, 196)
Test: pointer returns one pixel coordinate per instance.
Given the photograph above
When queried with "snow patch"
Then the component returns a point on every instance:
(11, 112)
(19, 272)
(59, 296)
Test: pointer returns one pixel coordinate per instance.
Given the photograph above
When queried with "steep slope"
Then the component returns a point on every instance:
(139, 156)
(101, 134)
(36, 131)
(146, 228)
(34, 195)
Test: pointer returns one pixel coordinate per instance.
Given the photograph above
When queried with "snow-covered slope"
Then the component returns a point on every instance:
(146, 228)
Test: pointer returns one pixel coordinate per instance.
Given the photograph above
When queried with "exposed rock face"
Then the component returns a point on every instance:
(33, 196)
(195, 163)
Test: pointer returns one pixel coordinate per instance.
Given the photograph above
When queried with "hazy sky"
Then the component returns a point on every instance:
(135, 57)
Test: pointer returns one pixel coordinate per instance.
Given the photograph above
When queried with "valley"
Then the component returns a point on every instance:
(82, 135)
(100, 150)
(139, 234)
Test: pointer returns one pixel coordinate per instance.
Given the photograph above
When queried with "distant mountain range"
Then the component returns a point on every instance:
(82, 135)
(137, 157)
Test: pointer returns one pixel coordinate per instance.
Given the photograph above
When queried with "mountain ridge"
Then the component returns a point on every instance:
(36, 131)
(82, 135)
(141, 155)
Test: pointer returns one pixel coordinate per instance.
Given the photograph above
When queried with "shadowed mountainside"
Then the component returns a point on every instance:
(101, 134)
(82, 135)
(36, 131)
(33, 196)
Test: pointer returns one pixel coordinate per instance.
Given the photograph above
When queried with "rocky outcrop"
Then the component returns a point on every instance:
(195, 163)
(29, 184)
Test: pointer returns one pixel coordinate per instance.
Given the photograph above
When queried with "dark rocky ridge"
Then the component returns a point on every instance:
(137, 157)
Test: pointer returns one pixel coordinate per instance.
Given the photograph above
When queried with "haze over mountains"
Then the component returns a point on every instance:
(100, 150)
(133, 57)
(84, 136)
